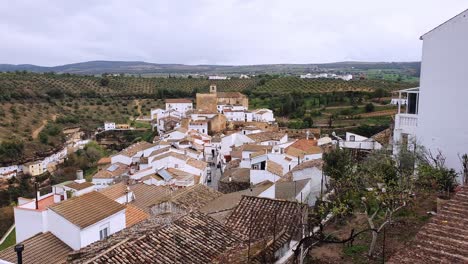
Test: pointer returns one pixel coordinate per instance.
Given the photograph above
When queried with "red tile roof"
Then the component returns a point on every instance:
(444, 239)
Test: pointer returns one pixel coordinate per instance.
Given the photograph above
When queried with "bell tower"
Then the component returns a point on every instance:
(213, 88)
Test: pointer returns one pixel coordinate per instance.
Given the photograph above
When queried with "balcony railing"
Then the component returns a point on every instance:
(406, 122)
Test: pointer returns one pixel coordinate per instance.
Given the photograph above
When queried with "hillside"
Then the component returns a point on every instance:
(139, 67)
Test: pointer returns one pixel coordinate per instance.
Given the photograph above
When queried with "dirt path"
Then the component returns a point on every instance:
(36, 132)
(137, 103)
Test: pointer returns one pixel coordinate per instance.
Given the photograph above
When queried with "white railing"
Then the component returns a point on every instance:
(406, 123)
(406, 120)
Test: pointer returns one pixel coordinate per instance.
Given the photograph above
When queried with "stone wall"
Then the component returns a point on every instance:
(207, 102)
(217, 124)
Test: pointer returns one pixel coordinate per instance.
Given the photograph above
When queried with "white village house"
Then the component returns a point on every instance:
(436, 112)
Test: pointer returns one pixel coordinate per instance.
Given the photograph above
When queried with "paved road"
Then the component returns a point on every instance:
(215, 176)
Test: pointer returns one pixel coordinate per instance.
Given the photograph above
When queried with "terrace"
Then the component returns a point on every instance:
(406, 120)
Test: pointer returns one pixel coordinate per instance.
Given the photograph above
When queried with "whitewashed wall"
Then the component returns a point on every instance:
(443, 110)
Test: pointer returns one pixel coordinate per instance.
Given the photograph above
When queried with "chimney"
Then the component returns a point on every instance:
(38, 194)
(79, 175)
(19, 253)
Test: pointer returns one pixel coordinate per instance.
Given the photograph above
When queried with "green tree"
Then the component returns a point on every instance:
(104, 81)
(369, 107)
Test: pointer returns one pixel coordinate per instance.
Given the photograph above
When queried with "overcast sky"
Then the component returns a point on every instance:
(218, 31)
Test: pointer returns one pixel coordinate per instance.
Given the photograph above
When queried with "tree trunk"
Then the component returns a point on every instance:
(372, 245)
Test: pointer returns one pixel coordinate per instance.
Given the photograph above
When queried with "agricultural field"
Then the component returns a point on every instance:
(288, 85)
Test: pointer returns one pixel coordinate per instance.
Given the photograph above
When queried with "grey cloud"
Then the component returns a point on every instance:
(218, 32)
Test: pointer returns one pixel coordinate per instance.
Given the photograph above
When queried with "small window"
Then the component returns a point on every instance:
(104, 231)
(352, 138)
(176, 166)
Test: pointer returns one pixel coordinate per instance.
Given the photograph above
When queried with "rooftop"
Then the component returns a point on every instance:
(147, 195)
(303, 147)
(115, 191)
(227, 202)
(135, 148)
(443, 239)
(87, 209)
(193, 197)
(193, 238)
(104, 161)
(41, 248)
(134, 215)
(257, 217)
(274, 168)
(111, 171)
(79, 186)
(266, 136)
(201, 165)
(178, 101)
(288, 190)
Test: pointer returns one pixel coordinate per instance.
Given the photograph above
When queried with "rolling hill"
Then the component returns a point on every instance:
(139, 67)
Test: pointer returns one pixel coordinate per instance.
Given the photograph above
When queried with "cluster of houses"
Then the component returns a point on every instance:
(213, 112)
(49, 163)
(212, 180)
(344, 77)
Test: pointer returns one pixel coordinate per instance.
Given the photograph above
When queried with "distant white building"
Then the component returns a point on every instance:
(355, 141)
(109, 126)
(238, 115)
(345, 77)
(199, 125)
(217, 77)
(180, 105)
(263, 115)
(155, 113)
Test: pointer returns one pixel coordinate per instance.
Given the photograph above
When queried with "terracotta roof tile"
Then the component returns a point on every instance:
(266, 136)
(254, 216)
(115, 191)
(135, 148)
(87, 209)
(111, 171)
(178, 101)
(134, 215)
(147, 195)
(193, 197)
(41, 248)
(201, 165)
(104, 161)
(443, 239)
(79, 186)
(194, 238)
(274, 168)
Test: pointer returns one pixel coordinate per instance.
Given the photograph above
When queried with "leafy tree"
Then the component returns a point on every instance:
(379, 93)
(11, 150)
(104, 81)
(433, 174)
(369, 107)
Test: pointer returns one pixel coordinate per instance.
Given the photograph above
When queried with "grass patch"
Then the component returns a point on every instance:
(355, 249)
(9, 241)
